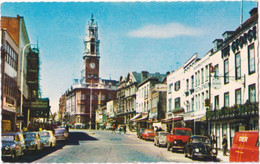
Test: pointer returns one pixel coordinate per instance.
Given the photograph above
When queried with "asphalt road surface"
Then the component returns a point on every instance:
(86, 146)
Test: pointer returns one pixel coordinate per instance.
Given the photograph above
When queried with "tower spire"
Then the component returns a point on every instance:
(92, 19)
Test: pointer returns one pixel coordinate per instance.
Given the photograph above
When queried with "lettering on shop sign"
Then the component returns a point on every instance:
(216, 83)
(243, 139)
(243, 39)
(206, 85)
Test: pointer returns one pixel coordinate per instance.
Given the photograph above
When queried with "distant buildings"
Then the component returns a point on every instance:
(15, 39)
(90, 92)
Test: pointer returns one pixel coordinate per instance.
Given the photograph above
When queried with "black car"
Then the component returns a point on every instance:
(13, 145)
(200, 147)
(140, 132)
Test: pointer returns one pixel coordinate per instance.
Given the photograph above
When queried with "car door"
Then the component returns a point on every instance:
(188, 146)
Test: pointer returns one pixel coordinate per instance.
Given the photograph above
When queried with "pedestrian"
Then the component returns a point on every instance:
(213, 139)
(113, 128)
(124, 129)
(224, 145)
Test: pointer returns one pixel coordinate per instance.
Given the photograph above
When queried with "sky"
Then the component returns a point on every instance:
(134, 36)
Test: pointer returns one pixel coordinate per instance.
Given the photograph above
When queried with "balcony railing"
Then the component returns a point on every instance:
(236, 111)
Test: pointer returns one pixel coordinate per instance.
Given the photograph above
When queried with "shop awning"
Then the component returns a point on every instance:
(135, 117)
(172, 119)
(144, 118)
(197, 118)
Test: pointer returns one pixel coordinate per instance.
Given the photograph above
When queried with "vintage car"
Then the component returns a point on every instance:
(200, 147)
(245, 147)
(140, 132)
(32, 141)
(61, 134)
(160, 139)
(47, 138)
(13, 145)
(178, 138)
(148, 134)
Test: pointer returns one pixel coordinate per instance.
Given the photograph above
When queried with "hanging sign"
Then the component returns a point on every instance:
(216, 83)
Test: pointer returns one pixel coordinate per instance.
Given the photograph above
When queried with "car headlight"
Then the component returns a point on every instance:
(214, 151)
(197, 150)
(175, 142)
(6, 147)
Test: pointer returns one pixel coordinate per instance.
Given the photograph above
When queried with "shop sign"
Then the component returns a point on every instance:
(216, 83)
(204, 86)
(243, 39)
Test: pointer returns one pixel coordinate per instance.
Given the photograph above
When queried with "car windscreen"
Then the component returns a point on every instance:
(7, 138)
(182, 132)
(29, 135)
(149, 131)
(201, 140)
(163, 134)
(44, 134)
(59, 131)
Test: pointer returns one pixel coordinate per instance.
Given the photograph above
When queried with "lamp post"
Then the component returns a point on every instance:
(21, 110)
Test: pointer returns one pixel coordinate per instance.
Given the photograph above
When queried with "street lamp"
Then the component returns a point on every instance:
(21, 110)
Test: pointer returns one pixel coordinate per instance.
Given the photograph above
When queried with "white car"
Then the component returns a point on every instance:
(47, 138)
(61, 134)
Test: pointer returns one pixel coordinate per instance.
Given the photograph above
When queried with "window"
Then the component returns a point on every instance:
(216, 102)
(188, 106)
(187, 85)
(199, 102)
(238, 96)
(177, 85)
(226, 72)
(238, 66)
(198, 77)
(251, 59)
(170, 104)
(192, 81)
(202, 100)
(216, 71)
(92, 46)
(170, 88)
(192, 104)
(226, 99)
(177, 102)
(252, 93)
(202, 75)
(206, 73)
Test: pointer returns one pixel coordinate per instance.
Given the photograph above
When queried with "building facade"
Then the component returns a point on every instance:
(90, 92)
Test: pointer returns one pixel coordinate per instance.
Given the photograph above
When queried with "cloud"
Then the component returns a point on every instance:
(165, 31)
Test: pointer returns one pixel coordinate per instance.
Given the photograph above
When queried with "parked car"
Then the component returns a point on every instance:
(32, 141)
(160, 139)
(178, 138)
(200, 146)
(245, 147)
(140, 132)
(61, 134)
(13, 145)
(148, 134)
(78, 126)
(47, 138)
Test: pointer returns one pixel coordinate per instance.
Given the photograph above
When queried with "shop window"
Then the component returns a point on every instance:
(252, 93)
(251, 59)
(226, 72)
(170, 88)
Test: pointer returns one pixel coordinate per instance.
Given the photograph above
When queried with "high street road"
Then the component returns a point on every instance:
(86, 146)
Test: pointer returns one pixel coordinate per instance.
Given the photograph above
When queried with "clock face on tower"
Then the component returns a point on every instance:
(92, 65)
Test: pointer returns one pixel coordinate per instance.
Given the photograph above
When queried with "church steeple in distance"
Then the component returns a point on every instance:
(91, 55)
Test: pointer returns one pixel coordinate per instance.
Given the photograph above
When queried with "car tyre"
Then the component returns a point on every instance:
(193, 157)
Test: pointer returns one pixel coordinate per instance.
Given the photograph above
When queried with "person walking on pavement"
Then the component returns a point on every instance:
(124, 129)
(113, 128)
(224, 145)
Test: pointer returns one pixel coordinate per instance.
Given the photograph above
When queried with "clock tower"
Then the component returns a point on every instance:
(91, 55)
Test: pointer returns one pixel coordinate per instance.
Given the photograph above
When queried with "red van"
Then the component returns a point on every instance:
(245, 147)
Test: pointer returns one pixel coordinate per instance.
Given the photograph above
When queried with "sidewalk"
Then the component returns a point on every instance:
(221, 157)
